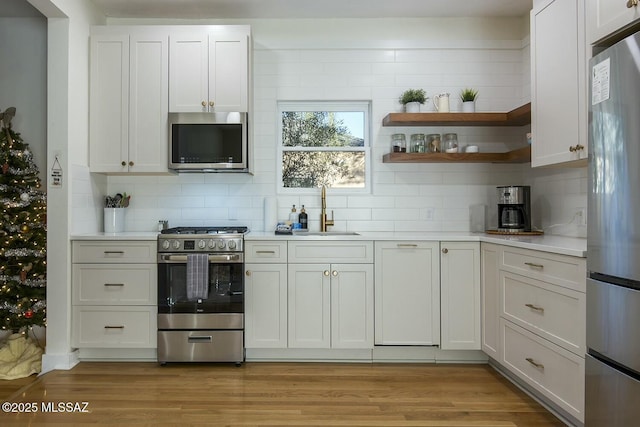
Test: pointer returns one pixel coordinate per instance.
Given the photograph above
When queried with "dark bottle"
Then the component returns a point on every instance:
(302, 218)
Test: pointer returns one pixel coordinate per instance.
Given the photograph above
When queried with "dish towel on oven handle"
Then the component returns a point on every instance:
(197, 276)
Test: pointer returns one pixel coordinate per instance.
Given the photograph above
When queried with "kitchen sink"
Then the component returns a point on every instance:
(326, 233)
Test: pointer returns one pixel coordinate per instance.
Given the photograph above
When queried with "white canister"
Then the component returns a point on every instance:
(114, 220)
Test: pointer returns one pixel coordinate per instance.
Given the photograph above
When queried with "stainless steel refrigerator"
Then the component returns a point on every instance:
(613, 243)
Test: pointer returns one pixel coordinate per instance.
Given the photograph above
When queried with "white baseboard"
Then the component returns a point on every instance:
(65, 361)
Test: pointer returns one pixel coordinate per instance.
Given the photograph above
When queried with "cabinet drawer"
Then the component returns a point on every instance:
(115, 327)
(553, 371)
(130, 284)
(344, 252)
(105, 252)
(554, 312)
(562, 270)
(265, 252)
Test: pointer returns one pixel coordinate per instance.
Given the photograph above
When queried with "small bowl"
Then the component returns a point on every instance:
(471, 149)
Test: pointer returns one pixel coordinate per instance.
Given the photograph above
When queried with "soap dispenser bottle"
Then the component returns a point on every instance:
(302, 218)
(293, 216)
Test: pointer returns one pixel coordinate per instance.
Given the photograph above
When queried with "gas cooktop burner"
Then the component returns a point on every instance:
(206, 230)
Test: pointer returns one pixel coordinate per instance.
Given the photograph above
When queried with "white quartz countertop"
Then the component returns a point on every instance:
(571, 246)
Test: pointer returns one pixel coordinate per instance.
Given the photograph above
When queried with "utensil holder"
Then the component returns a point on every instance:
(114, 220)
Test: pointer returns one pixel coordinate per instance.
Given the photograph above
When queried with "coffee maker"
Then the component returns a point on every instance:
(514, 208)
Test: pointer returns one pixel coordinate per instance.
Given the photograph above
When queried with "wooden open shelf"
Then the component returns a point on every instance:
(519, 117)
(521, 155)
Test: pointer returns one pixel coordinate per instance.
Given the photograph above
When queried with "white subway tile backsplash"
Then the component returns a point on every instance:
(403, 197)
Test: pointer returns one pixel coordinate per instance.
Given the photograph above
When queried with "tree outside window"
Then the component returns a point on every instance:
(324, 144)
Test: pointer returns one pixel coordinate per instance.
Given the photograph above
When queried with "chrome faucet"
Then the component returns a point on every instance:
(324, 222)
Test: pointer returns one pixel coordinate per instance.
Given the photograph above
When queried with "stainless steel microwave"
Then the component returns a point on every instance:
(208, 142)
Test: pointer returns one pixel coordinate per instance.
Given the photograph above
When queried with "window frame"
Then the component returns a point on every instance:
(328, 106)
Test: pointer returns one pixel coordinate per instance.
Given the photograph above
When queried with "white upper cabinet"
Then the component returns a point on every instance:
(209, 71)
(558, 83)
(128, 102)
(605, 17)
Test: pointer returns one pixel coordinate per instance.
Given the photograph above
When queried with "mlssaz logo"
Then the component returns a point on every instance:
(65, 407)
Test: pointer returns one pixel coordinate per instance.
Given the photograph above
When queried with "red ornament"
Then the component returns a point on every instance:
(5, 167)
(28, 314)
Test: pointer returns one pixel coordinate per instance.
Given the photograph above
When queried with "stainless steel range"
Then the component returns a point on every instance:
(201, 294)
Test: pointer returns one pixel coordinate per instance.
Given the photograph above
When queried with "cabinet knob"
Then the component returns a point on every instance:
(632, 3)
(211, 103)
(123, 163)
(326, 273)
(579, 146)
(248, 273)
(334, 273)
(572, 149)
(204, 103)
(445, 250)
(130, 163)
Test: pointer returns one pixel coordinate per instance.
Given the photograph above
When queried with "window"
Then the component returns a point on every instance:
(324, 143)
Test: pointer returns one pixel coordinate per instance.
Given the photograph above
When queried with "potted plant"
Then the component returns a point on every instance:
(468, 97)
(412, 98)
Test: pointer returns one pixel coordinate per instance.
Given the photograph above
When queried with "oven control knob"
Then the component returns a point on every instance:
(202, 244)
(212, 243)
(232, 244)
(221, 244)
(166, 244)
(176, 244)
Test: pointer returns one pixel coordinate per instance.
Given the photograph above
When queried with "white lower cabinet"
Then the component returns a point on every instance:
(265, 306)
(114, 297)
(407, 293)
(534, 321)
(330, 305)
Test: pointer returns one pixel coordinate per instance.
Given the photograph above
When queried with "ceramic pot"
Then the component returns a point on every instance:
(412, 107)
(469, 107)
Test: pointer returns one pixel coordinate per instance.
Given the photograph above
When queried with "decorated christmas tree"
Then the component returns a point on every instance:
(23, 234)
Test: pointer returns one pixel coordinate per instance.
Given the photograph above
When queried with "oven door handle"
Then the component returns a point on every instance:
(212, 258)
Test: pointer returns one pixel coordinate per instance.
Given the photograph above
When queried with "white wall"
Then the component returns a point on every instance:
(372, 60)
(23, 81)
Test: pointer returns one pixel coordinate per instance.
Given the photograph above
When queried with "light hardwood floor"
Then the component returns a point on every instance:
(277, 394)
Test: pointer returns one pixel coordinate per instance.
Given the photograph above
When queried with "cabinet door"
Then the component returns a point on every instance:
(608, 16)
(228, 71)
(109, 103)
(558, 83)
(352, 305)
(266, 306)
(188, 72)
(407, 293)
(460, 295)
(149, 79)
(309, 305)
(490, 294)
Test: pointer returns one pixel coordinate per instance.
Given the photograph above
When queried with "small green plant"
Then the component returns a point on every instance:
(468, 95)
(413, 95)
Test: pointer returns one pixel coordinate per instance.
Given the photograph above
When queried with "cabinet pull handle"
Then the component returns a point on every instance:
(407, 245)
(535, 307)
(631, 3)
(580, 146)
(534, 363)
(334, 273)
(534, 265)
(248, 273)
(572, 148)
(266, 252)
(207, 338)
(211, 104)
(445, 250)
(204, 103)
(326, 273)
(114, 252)
(113, 327)
(131, 163)
(114, 284)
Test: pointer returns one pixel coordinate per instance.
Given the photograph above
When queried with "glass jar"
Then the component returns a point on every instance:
(450, 143)
(398, 143)
(418, 143)
(433, 143)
